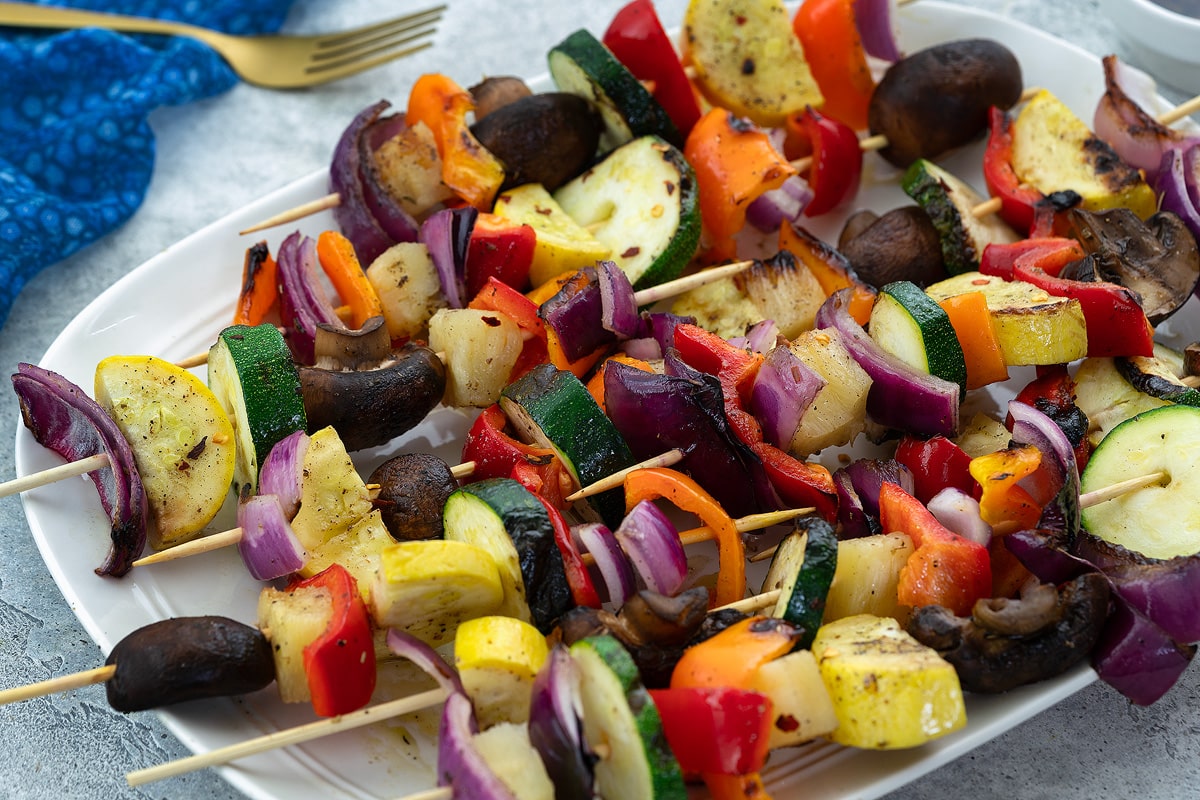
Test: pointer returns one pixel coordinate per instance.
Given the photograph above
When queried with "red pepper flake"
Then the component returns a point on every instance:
(748, 66)
(631, 252)
(195, 452)
(787, 723)
(491, 322)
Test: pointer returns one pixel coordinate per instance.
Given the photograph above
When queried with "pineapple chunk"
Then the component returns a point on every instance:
(1054, 150)
(1032, 325)
(497, 659)
(407, 283)
(409, 166)
(983, 435)
(889, 691)
(838, 412)
(867, 577)
(333, 496)
(799, 700)
(563, 245)
(509, 753)
(292, 620)
(720, 307)
(358, 549)
(481, 349)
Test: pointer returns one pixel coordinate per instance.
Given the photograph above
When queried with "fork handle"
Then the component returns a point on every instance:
(27, 15)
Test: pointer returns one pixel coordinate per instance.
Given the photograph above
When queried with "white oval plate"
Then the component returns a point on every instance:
(180, 299)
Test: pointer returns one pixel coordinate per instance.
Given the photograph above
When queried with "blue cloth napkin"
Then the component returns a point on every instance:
(76, 151)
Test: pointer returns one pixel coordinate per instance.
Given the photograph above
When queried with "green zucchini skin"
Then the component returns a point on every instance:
(1154, 376)
(628, 109)
(930, 332)
(806, 601)
(528, 526)
(565, 417)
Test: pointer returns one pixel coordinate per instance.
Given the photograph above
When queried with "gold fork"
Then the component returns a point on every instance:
(276, 62)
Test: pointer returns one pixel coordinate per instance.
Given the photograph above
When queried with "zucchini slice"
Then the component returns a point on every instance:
(552, 408)
(1158, 376)
(620, 715)
(504, 518)
(803, 568)
(1160, 520)
(251, 371)
(641, 201)
(948, 202)
(583, 66)
(910, 325)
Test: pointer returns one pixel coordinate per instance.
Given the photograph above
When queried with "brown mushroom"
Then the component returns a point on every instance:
(369, 396)
(1003, 645)
(544, 138)
(413, 490)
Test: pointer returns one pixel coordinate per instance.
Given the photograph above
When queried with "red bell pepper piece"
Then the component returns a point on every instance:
(259, 293)
(798, 483)
(1116, 323)
(1017, 200)
(639, 41)
(834, 52)
(340, 663)
(945, 569)
(936, 463)
(836, 160)
(583, 590)
(496, 455)
(1054, 253)
(504, 299)
(717, 729)
(735, 162)
(499, 248)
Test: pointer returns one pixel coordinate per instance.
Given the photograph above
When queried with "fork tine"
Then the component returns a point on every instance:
(324, 62)
(371, 33)
(334, 71)
(369, 47)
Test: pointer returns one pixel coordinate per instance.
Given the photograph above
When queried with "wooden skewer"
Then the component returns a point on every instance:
(1098, 496)
(232, 536)
(303, 733)
(54, 474)
(66, 683)
(299, 212)
(614, 480)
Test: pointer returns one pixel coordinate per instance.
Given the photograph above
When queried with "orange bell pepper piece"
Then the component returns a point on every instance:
(669, 484)
(945, 569)
(471, 172)
(733, 656)
(259, 292)
(972, 323)
(1005, 505)
(340, 264)
(735, 162)
(834, 52)
(830, 268)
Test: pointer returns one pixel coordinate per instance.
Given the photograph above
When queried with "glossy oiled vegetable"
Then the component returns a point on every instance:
(938, 98)
(187, 658)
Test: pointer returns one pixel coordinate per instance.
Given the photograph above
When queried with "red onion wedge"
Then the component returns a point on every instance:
(556, 725)
(269, 547)
(460, 764)
(783, 390)
(900, 397)
(1178, 184)
(777, 206)
(304, 303)
(618, 309)
(447, 235)
(427, 659)
(874, 21)
(1136, 136)
(652, 544)
(576, 315)
(353, 212)
(959, 512)
(64, 419)
(282, 472)
(1136, 657)
(612, 562)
